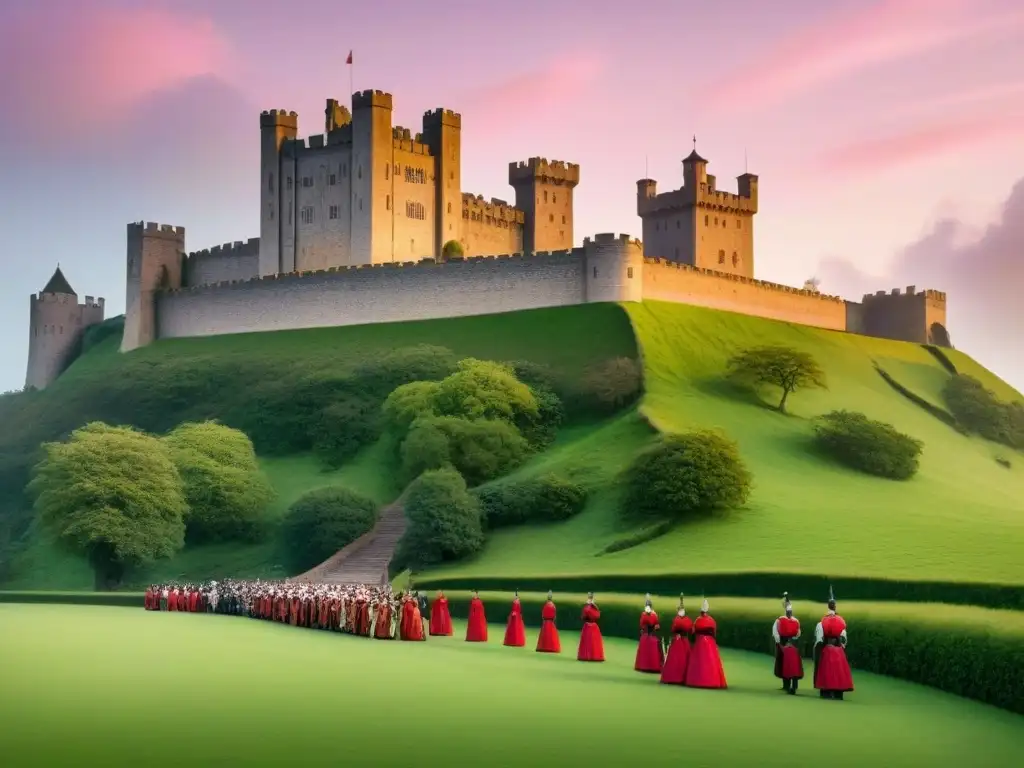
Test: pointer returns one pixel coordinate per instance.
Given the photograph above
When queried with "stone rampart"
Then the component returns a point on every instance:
(223, 263)
(683, 284)
(375, 294)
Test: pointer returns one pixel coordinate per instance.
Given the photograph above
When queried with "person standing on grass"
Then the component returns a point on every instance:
(548, 640)
(591, 646)
(832, 676)
(476, 626)
(674, 670)
(705, 669)
(421, 601)
(789, 667)
(649, 651)
(440, 618)
(515, 630)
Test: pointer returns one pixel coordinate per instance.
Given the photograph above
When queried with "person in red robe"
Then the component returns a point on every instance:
(548, 640)
(183, 600)
(193, 601)
(476, 627)
(832, 676)
(410, 628)
(515, 630)
(148, 602)
(649, 653)
(440, 618)
(674, 670)
(789, 667)
(591, 646)
(705, 669)
(172, 599)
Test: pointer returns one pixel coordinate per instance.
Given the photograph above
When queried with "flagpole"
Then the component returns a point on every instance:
(351, 73)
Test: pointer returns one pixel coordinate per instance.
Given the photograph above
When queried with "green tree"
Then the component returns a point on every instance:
(225, 489)
(871, 446)
(452, 250)
(685, 475)
(549, 498)
(480, 450)
(323, 521)
(409, 402)
(614, 383)
(783, 367)
(113, 495)
(443, 520)
(482, 389)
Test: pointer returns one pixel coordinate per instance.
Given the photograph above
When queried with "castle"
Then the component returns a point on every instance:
(367, 223)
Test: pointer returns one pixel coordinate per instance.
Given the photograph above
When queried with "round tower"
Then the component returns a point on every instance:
(614, 268)
(56, 323)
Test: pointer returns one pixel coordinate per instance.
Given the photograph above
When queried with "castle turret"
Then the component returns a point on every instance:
(276, 188)
(56, 324)
(442, 132)
(614, 268)
(372, 178)
(544, 194)
(156, 255)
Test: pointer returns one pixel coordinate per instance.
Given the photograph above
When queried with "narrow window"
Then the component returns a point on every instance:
(629, 273)
(721, 257)
(389, 202)
(449, 207)
(735, 259)
(332, 180)
(554, 198)
(545, 195)
(705, 221)
(563, 219)
(270, 184)
(387, 171)
(289, 184)
(595, 271)
(551, 218)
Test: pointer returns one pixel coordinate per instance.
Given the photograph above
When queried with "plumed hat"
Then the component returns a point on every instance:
(590, 595)
(831, 598)
(786, 605)
(647, 600)
(704, 605)
(550, 595)
(516, 593)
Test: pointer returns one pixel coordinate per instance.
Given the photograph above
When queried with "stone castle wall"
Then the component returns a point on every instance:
(223, 263)
(680, 283)
(375, 294)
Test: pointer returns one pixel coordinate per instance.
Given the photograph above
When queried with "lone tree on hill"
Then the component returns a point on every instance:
(783, 367)
(113, 495)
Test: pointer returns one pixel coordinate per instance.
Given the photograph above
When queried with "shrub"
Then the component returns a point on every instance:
(452, 250)
(540, 430)
(225, 489)
(443, 520)
(480, 450)
(482, 389)
(786, 368)
(408, 403)
(869, 446)
(614, 383)
(323, 521)
(981, 412)
(686, 475)
(343, 427)
(545, 499)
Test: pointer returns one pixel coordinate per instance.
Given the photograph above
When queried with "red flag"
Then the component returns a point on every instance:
(349, 59)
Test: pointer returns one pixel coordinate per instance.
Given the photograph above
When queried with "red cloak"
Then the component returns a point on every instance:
(649, 655)
(674, 670)
(476, 627)
(440, 618)
(832, 672)
(591, 646)
(788, 664)
(705, 669)
(411, 627)
(548, 640)
(515, 630)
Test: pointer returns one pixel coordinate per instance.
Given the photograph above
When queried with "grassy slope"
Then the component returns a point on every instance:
(960, 519)
(566, 713)
(567, 340)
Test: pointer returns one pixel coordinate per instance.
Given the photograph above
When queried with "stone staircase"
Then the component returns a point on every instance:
(365, 560)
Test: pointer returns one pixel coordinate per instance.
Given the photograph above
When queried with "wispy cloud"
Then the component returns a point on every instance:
(557, 82)
(846, 42)
(882, 153)
(85, 66)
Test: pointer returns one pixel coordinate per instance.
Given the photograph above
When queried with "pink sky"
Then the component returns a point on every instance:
(870, 124)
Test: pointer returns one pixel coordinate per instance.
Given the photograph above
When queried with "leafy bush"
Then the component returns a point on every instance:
(225, 489)
(786, 368)
(343, 427)
(443, 520)
(323, 521)
(482, 389)
(870, 446)
(981, 412)
(452, 250)
(113, 495)
(479, 450)
(614, 383)
(686, 475)
(410, 402)
(545, 499)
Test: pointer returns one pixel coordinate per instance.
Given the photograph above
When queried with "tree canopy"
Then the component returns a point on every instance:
(443, 520)
(323, 521)
(113, 495)
(787, 368)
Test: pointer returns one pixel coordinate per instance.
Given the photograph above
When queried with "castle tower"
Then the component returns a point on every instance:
(442, 132)
(544, 194)
(614, 267)
(276, 128)
(698, 224)
(155, 258)
(56, 324)
(372, 177)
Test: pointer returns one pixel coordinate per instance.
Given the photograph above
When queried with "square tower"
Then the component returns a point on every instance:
(442, 132)
(544, 194)
(277, 127)
(372, 158)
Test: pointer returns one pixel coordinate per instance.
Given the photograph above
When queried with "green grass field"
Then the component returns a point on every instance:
(122, 687)
(961, 518)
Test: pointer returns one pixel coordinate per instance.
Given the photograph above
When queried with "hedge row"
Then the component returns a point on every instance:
(939, 413)
(130, 599)
(951, 653)
(799, 586)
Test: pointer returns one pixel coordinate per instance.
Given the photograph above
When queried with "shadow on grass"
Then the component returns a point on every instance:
(724, 388)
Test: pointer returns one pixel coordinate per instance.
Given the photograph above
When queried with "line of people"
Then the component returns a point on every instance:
(691, 658)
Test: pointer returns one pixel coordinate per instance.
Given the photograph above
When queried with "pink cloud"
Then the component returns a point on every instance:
(936, 139)
(86, 66)
(555, 83)
(851, 40)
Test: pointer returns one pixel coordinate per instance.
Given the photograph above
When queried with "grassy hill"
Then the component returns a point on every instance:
(277, 387)
(960, 519)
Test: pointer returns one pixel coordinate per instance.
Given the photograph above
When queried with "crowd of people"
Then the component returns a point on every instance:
(688, 656)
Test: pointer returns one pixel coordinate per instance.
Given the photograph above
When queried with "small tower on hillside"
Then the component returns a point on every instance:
(56, 324)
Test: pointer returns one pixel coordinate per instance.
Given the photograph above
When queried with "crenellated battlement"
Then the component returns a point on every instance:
(442, 116)
(611, 237)
(540, 168)
(745, 280)
(938, 298)
(238, 248)
(367, 99)
(271, 118)
(64, 298)
(407, 141)
(152, 229)
(494, 212)
(729, 202)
